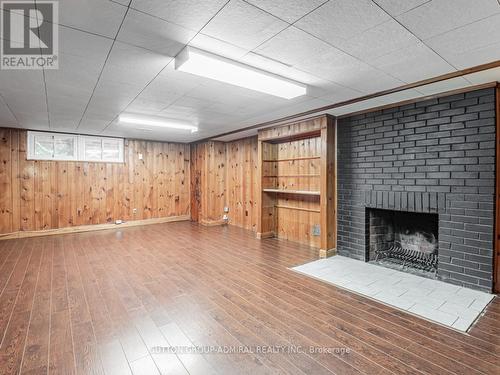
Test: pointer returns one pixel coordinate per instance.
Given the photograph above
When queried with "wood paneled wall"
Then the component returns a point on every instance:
(39, 195)
(242, 183)
(225, 174)
(208, 182)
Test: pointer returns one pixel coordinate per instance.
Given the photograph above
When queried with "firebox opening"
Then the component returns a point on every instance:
(404, 240)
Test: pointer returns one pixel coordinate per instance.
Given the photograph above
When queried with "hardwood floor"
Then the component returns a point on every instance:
(106, 302)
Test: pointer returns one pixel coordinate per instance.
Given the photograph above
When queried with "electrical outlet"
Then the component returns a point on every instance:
(134, 211)
(226, 209)
(316, 230)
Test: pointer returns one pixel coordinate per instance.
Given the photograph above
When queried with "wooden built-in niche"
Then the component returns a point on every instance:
(297, 183)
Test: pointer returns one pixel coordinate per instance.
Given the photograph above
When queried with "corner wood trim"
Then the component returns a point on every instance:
(327, 253)
(91, 228)
(261, 236)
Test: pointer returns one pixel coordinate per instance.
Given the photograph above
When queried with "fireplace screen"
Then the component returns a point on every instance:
(405, 239)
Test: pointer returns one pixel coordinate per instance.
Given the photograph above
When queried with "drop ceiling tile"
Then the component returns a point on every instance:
(133, 65)
(339, 20)
(288, 10)
(95, 16)
(468, 46)
(414, 63)
(62, 103)
(25, 101)
(73, 74)
(356, 107)
(339, 93)
(64, 122)
(35, 121)
(21, 80)
(378, 41)
(443, 86)
(284, 70)
(89, 48)
(153, 33)
(192, 14)
(400, 96)
(144, 106)
(369, 80)
(217, 46)
(397, 7)
(243, 25)
(437, 17)
(295, 47)
(311, 55)
(486, 76)
(6, 116)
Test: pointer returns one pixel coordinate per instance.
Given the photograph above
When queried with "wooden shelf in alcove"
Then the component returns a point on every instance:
(298, 192)
(291, 159)
(298, 208)
(293, 175)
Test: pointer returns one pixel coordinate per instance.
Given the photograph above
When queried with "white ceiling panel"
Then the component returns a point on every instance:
(485, 76)
(18, 80)
(243, 25)
(95, 16)
(339, 93)
(192, 14)
(296, 47)
(90, 49)
(31, 120)
(443, 86)
(218, 47)
(397, 7)
(6, 116)
(439, 16)
(144, 106)
(414, 63)
(355, 107)
(339, 20)
(288, 10)
(155, 34)
(133, 65)
(474, 44)
(25, 101)
(378, 41)
(73, 76)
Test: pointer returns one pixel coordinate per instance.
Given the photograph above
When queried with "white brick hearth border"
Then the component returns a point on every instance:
(453, 306)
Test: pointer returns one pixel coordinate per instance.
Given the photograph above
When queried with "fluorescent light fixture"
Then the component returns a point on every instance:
(158, 122)
(201, 63)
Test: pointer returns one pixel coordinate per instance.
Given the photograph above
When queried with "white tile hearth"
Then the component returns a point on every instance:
(444, 303)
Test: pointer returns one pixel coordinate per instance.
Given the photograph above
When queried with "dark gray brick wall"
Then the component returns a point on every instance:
(432, 156)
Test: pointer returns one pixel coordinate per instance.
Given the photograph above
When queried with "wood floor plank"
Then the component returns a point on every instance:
(108, 302)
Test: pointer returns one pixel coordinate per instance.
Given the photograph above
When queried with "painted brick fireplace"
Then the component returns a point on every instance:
(435, 156)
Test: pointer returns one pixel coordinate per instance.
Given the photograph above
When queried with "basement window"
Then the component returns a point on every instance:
(71, 147)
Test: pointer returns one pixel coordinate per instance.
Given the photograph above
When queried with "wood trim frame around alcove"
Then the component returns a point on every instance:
(496, 249)
(289, 208)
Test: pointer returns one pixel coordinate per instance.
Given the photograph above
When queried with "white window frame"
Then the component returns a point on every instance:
(79, 149)
(32, 136)
(82, 153)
